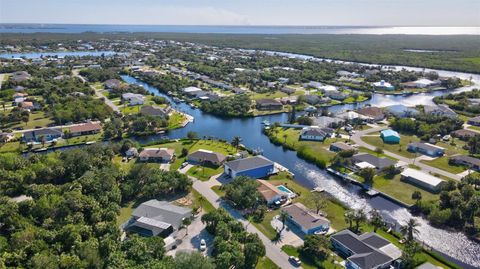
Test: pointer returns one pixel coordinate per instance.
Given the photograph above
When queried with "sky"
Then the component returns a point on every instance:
(245, 12)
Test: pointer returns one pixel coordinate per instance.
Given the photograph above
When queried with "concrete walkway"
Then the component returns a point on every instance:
(425, 168)
(100, 95)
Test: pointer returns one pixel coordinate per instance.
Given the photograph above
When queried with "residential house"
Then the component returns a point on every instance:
(307, 221)
(289, 100)
(46, 134)
(440, 111)
(86, 129)
(207, 157)
(383, 86)
(366, 251)
(426, 149)
(268, 104)
(401, 111)
(27, 105)
(421, 83)
(288, 90)
(464, 134)
(375, 113)
(423, 180)
(20, 76)
(470, 162)
(314, 133)
(390, 136)
(340, 146)
(133, 98)
(153, 111)
(336, 95)
(271, 193)
(112, 84)
(157, 218)
(157, 155)
(192, 91)
(255, 167)
(330, 122)
(313, 85)
(364, 160)
(354, 116)
(474, 121)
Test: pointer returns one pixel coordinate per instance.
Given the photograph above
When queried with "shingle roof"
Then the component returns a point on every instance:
(467, 159)
(249, 163)
(304, 217)
(379, 163)
(157, 153)
(207, 155)
(425, 146)
(86, 127)
(162, 211)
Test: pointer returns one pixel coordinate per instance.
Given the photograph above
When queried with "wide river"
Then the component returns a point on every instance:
(454, 245)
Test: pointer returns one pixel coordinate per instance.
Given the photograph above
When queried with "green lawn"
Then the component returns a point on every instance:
(309, 263)
(11, 147)
(36, 118)
(125, 213)
(127, 110)
(442, 163)
(362, 149)
(199, 200)
(265, 226)
(204, 172)
(477, 128)
(400, 149)
(176, 120)
(218, 190)
(269, 95)
(266, 263)
(398, 189)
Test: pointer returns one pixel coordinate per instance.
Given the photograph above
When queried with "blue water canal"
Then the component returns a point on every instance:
(461, 248)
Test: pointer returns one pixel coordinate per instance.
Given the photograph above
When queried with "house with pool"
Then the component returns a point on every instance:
(254, 167)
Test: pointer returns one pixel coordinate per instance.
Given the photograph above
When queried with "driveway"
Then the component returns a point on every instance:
(191, 241)
(273, 250)
(425, 168)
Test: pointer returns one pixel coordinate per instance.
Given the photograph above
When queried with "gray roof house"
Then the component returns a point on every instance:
(307, 221)
(153, 111)
(440, 110)
(366, 251)
(154, 217)
(255, 167)
(315, 133)
(208, 156)
(373, 161)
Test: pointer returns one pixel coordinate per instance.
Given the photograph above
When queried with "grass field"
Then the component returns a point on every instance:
(442, 163)
(400, 149)
(176, 121)
(36, 119)
(204, 172)
(399, 190)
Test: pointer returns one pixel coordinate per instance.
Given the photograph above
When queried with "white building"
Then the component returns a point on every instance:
(422, 179)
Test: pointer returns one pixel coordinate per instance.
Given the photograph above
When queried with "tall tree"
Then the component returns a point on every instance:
(410, 229)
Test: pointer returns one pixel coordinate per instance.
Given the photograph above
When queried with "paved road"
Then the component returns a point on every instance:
(273, 251)
(468, 125)
(100, 95)
(426, 168)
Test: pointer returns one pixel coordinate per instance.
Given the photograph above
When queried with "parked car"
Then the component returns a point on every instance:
(203, 245)
(183, 165)
(295, 261)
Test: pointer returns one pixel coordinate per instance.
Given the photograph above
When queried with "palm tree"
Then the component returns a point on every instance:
(283, 218)
(349, 215)
(376, 219)
(185, 223)
(236, 141)
(410, 229)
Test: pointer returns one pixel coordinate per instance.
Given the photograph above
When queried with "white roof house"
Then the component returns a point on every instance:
(422, 179)
(191, 89)
(423, 83)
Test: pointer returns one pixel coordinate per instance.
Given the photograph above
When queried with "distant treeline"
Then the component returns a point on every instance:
(460, 53)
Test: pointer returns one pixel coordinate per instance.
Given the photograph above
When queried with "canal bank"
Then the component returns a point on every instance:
(463, 251)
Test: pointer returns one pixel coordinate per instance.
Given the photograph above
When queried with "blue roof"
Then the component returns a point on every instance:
(389, 132)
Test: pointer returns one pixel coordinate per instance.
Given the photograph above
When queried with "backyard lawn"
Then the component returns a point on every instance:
(204, 172)
(442, 163)
(400, 149)
(36, 118)
(176, 120)
(398, 189)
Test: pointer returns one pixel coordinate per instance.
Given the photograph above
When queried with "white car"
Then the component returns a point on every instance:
(295, 261)
(203, 245)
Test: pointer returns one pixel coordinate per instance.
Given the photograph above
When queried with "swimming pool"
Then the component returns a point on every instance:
(284, 189)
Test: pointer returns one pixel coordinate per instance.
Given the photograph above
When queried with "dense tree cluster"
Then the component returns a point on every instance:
(233, 246)
(99, 74)
(231, 106)
(70, 220)
(243, 193)
(138, 124)
(426, 126)
(458, 206)
(77, 109)
(460, 102)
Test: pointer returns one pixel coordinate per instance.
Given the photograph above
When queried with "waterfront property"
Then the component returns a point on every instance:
(307, 221)
(86, 129)
(373, 112)
(315, 133)
(426, 149)
(423, 180)
(203, 156)
(401, 111)
(340, 146)
(464, 134)
(470, 162)
(271, 193)
(364, 160)
(382, 85)
(255, 167)
(133, 99)
(440, 111)
(366, 251)
(153, 111)
(45, 135)
(157, 218)
(390, 136)
(268, 104)
(157, 155)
